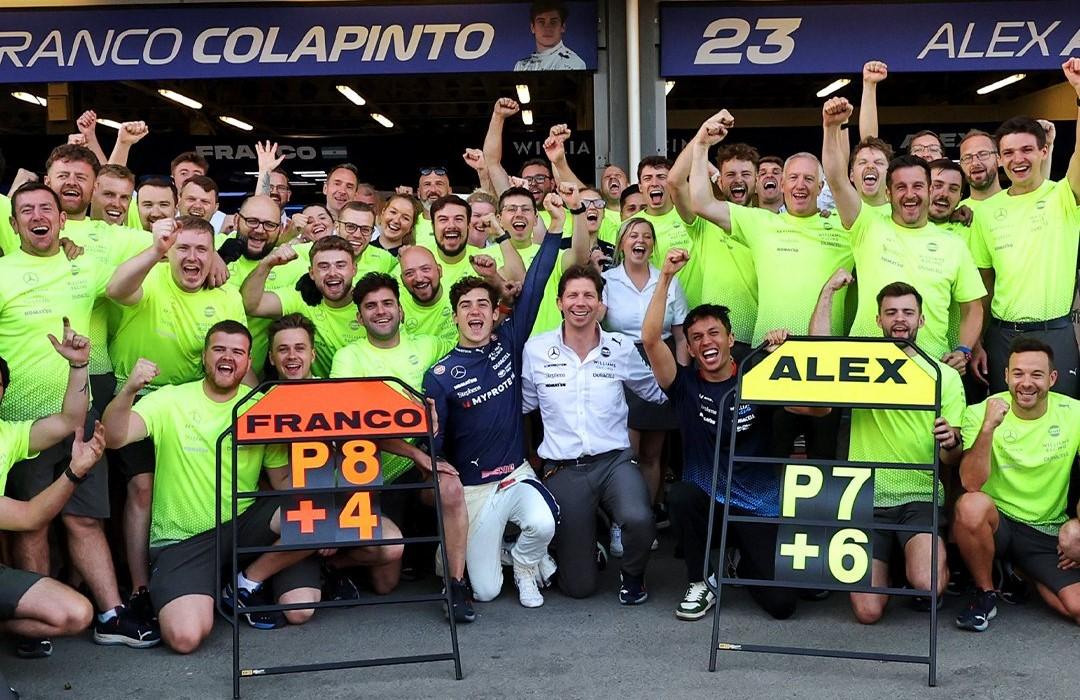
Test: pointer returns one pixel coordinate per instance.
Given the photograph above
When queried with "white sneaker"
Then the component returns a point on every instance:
(616, 548)
(696, 603)
(546, 571)
(655, 544)
(525, 579)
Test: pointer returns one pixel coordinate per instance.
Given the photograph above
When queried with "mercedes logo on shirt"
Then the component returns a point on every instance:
(553, 353)
(457, 372)
(30, 278)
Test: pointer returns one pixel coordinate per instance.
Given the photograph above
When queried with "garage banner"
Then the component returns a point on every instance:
(296, 40)
(768, 38)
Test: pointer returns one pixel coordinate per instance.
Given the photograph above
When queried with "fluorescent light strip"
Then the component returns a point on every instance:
(382, 120)
(668, 87)
(180, 99)
(351, 95)
(1014, 78)
(32, 99)
(833, 86)
(109, 123)
(523, 94)
(233, 121)
(527, 117)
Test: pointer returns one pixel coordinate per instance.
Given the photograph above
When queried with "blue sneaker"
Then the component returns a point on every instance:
(632, 591)
(247, 599)
(977, 615)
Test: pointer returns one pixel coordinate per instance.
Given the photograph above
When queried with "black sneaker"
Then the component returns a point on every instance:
(247, 599)
(140, 606)
(1014, 590)
(127, 629)
(921, 603)
(977, 615)
(339, 586)
(660, 515)
(33, 648)
(632, 591)
(461, 601)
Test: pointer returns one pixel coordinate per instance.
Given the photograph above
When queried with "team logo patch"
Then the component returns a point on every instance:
(209, 312)
(932, 247)
(354, 325)
(457, 372)
(1009, 436)
(605, 352)
(414, 360)
(1000, 215)
(30, 278)
(74, 270)
(438, 370)
(1054, 430)
(553, 353)
(1041, 204)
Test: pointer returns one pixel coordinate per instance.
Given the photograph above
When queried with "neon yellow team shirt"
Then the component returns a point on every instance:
(111, 246)
(721, 271)
(36, 294)
(408, 361)
(609, 227)
(14, 446)
(168, 327)
(335, 327)
(9, 239)
(952, 333)
(424, 232)
(453, 271)
(185, 424)
(435, 318)
(881, 436)
(568, 223)
(280, 277)
(934, 261)
(133, 218)
(1030, 241)
(798, 255)
(375, 259)
(1030, 460)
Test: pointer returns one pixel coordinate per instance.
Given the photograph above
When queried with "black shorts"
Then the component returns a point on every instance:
(1033, 552)
(919, 513)
(30, 477)
(14, 583)
(134, 458)
(102, 389)
(396, 504)
(187, 567)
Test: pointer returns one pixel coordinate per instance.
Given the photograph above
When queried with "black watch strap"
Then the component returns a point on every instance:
(72, 477)
(579, 210)
(503, 238)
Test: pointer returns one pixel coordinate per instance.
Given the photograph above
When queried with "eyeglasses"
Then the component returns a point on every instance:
(432, 171)
(279, 188)
(536, 179)
(253, 223)
(516, 208)
(978, 155)
(351, 228)
(593, 203)
(920, 150)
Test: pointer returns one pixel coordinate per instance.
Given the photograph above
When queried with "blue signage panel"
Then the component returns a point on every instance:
(759, 38)
(295, 40)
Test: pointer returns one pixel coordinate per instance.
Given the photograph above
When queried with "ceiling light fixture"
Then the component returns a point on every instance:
(523, 94)
(527, 117)
(109, 123)
(32, 99)
(180, 99)
(234, 122)
(668, 87)
(351, 95)
(1014, 78)
(382, 120)
(833, 86)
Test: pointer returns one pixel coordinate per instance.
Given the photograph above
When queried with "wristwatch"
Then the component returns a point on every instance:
(503, 238)
(579, 210)
(72, 477)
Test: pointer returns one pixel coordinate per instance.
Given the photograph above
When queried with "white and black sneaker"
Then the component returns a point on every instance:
(127, 629)
(696, 603)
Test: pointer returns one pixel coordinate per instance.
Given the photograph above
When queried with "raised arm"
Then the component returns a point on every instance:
(555, 150)
(474, 158)
(821, 320)
(703, 202)
(569, 198)
(1071, 68)
(122, 425)
(125, 286)
(975, 464)
(268, 158)
(87, 124)
(130, 133)
(493, 143)
(41, 509)
(258, 301)
(873, 72)
(47, 431)
(834, 159)
(661, 360)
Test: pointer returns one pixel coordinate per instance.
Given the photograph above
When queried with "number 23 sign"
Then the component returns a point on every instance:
(826, 554)
(332, 518)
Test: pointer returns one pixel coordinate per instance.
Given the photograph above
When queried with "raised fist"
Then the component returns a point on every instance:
(506, 107)
(874, 72)
(836, 111)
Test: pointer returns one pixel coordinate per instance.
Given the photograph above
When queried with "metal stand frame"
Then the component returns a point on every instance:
(393, 599)
(930, 658)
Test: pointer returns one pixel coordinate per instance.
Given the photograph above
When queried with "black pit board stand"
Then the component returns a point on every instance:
(317, 387)
(930, 658)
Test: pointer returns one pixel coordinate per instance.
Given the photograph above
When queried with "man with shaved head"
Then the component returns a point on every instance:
(427, 304)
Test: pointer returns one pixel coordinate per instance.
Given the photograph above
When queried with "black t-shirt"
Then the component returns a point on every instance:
(755, 487)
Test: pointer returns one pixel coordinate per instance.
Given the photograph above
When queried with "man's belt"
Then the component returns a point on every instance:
(1054, 324)
(584, 460)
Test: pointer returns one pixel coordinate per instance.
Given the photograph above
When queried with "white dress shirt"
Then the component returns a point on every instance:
(581, 401)
(626, 305)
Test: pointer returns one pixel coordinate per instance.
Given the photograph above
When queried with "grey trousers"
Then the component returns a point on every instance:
(616, 482)
(1062, 340)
